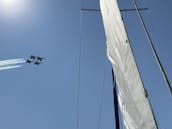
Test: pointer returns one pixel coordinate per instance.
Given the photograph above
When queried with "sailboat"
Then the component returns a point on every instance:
(131, 96)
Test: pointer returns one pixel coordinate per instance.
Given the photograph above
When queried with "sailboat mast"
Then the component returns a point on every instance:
(153, 48)
(116, 110)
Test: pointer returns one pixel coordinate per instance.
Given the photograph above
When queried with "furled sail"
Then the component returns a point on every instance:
(132, 97)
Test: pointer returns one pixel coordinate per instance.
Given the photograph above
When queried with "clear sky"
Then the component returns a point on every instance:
(45, 97)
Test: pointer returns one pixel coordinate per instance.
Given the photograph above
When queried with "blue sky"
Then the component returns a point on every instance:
(45, 97)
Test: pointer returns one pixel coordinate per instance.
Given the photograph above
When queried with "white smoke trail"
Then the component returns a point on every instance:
(11, 64)
(12, 60)
(4, 63)
(10, 67)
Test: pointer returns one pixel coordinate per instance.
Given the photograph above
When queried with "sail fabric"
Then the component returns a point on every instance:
(133, 102)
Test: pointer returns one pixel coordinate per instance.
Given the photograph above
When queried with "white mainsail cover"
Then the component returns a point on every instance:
(133, 101)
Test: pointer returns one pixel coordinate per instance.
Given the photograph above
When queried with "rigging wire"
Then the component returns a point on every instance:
(79, 74)
(102, 96)
(153, 48)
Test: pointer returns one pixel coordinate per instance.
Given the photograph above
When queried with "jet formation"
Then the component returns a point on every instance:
(37, 60)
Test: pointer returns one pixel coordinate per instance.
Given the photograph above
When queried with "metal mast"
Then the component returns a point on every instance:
(115, 102)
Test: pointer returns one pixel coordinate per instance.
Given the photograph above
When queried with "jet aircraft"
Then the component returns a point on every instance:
(32, 57)
(28, 61)
(40, 58)
(37, 60)
(37, 63)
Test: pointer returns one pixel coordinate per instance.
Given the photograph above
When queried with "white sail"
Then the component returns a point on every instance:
(133, 101)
